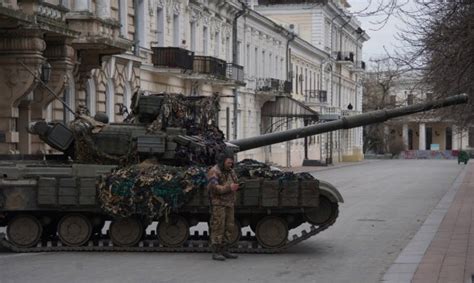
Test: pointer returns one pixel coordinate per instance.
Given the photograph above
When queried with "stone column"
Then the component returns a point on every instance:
(61, 57)
(102, 9)
(422, 137)
(405, 135)
(15, 80)
(81, 5)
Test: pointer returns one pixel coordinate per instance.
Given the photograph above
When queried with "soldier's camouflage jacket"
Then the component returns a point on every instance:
(222, 197)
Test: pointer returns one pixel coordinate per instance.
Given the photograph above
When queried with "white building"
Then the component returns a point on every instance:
(328, 26)
(423, 135)
(270, 76)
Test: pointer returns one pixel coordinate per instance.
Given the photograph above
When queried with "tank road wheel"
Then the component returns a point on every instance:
(272, 232)
(323, 213)
(236, 234)
(74, 230)
(24, 231)
(174, 232)
(126, 232)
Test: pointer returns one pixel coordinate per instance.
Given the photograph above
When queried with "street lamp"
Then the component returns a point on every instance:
(45, 72)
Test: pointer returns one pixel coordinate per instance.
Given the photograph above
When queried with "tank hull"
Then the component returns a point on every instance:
(61, 193)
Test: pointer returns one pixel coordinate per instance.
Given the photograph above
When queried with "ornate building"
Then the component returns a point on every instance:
(270, 76)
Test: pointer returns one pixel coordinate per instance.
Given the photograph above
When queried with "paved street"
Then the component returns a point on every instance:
(386, 203)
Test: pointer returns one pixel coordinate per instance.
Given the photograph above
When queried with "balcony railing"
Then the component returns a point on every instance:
(344, 56)
(274, 85)
(173, 57)
(211, 66)
(316, 96)
(235, 72)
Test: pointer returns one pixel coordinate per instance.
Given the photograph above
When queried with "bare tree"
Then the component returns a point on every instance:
(378, 94)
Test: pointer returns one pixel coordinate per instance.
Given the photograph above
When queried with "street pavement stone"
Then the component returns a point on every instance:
(443, 248)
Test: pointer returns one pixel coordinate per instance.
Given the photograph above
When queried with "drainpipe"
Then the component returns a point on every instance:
(235, 60)
(291, 37)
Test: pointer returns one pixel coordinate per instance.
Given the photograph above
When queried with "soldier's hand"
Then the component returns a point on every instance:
(234, 187)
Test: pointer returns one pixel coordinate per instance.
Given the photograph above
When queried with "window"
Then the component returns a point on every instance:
(192, 29)
(205, 38)
(449, 138)
(217, 47)
(228, 54)
(297, 78)
(176, 31)
(255, 63)
(109, 100)
(410, 99)
(140, 27)
(123, 5)
(160, 26)
(247, 54)
(91, 96)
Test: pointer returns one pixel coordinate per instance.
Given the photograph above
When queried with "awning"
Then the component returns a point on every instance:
(288, 107)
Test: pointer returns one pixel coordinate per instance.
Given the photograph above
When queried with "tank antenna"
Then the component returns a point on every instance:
(48, 88)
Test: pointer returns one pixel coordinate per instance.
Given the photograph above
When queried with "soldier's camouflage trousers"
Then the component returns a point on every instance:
(222, 226)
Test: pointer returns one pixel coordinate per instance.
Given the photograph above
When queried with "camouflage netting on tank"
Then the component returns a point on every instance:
(148, 190)
(249, 168)
(153, 190)
(86, 151)
(196, 115)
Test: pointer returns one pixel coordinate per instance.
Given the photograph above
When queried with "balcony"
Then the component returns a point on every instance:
(344, 57)
(330, 114)
(97, 35)
(235, 73)
(316, 97)
(210, 66)
(359, 66)
(273, 86)
(173, 57)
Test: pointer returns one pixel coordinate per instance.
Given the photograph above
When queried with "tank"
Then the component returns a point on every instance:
(115, 180)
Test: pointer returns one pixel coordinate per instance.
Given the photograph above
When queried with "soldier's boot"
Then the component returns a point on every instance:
(216, 256)
(217, 253)
(227, 254)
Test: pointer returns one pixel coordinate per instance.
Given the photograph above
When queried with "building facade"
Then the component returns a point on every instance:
(328, 26)
(423, 135)
(270, 77)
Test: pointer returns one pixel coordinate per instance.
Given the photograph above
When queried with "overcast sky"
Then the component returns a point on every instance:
(379, 39)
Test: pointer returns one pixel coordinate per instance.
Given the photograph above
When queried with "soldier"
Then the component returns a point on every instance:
(222, 189)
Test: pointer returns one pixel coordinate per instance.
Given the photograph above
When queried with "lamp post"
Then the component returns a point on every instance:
(46, 72)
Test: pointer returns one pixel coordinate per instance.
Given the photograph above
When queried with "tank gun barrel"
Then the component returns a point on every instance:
(346, 123)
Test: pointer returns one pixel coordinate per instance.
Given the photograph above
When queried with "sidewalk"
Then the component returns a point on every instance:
(443, 248)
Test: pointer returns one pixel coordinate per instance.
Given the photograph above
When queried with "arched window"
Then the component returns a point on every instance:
(127, 96)
(110, 100)
(91, 96)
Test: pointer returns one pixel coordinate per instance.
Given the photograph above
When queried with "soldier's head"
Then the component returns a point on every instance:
(225, 161)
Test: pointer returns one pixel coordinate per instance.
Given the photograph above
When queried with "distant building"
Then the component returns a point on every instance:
(422, 132)
(328, 26)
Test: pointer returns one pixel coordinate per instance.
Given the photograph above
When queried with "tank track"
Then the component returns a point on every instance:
(196, 243)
